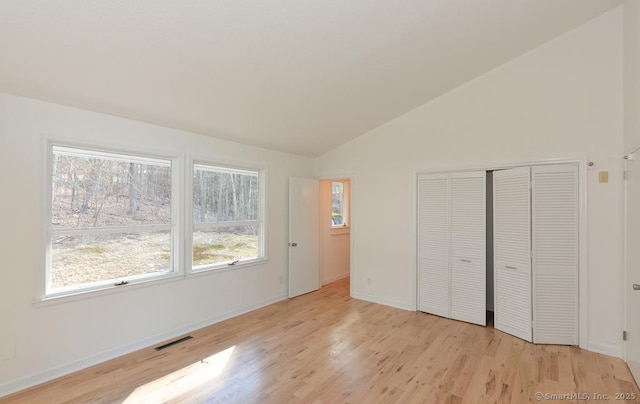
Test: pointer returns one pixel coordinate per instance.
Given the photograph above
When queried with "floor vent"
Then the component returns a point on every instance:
(168, 344)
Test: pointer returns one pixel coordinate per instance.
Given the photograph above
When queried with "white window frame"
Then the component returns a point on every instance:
(191, 226)
(176, 227)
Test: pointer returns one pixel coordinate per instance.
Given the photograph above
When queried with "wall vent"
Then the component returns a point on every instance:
(168, 344)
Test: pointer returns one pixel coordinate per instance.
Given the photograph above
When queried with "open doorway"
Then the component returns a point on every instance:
(335, 229)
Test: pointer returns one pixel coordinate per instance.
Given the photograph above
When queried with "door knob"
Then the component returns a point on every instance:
(293, 244)
(636, 286)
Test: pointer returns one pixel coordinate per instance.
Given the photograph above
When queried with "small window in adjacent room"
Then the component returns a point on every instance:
(110, 220)
(338, 204)
(227, 217)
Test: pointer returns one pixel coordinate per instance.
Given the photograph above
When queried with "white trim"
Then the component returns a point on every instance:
(263, 211)
(216, 225)
(106, 289)
(497, 165)
(625, 250)
(345, 233)
(352, 231)
(385, 302)
(606, 348)
(136, 228)
(179, 206)
(62, 370)
(213, 168)
(178, 176)
(583, 267)
(583, 272)
(228, 163)
(188, 216)
(43, 252)
(224, 266)
(625, 278)
(108, 146)
(109, 156)
(414, 240)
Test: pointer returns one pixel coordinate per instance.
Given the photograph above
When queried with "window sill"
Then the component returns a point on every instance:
(339, 231)
(106, 290)
(342, 233)
(216, 269)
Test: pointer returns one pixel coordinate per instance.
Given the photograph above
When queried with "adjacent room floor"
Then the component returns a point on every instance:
(325, 347)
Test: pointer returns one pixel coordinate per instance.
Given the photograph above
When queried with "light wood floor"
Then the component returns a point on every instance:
(325, 347)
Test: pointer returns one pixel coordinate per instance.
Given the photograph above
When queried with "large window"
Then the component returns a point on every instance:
(227, 217)
(111, 219)
(120, 218)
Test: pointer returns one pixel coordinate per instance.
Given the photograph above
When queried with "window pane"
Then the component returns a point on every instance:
(85, 259)
(224, 244)
(337, 203)
(99, 189)
(221, 195)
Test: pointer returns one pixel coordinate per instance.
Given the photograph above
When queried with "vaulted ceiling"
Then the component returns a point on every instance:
(297, 76)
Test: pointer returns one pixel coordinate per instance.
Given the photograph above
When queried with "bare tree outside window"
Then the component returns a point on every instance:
(110, 217)
(226, 216)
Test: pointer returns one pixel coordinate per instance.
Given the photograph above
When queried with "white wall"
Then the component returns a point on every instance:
(631, 75)
(335, 243)
(563, 99)
(49, 340)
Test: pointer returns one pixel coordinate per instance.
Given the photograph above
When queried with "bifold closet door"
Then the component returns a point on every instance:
(512, 251)
(468, 247)
(555, 254)
(433, 244)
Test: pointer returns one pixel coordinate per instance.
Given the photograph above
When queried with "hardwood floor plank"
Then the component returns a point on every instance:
(324, 347)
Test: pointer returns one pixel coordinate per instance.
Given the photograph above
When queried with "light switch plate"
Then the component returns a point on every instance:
(603, 176)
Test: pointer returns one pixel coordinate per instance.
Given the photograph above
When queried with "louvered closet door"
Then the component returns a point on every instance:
(433, 244)
(555, 254)
(512, 251)
(468, 247)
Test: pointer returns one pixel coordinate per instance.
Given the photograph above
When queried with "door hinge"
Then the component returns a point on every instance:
(624, 335)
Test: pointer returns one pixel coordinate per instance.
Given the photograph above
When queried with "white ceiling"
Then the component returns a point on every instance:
(297, 76)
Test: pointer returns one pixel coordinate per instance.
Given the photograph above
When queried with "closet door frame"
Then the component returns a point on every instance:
(582, 221)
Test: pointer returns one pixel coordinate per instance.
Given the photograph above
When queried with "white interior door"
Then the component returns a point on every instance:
(304, 236)
(433, 244)
(468, 247)
(632, 276)
(555, 254)
(512, 251)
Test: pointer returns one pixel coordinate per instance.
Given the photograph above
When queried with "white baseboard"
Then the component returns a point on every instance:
(606, 348)
(335, 278)
(62, 370)
(385, 302)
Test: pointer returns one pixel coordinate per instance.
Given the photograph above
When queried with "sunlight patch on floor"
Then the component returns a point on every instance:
(182, 381)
